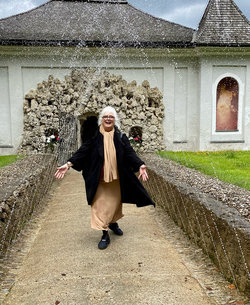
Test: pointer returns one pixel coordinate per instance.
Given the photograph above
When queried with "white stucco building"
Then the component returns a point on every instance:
(204, 75)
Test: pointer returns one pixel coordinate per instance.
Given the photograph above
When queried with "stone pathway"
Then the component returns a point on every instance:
(147, 265)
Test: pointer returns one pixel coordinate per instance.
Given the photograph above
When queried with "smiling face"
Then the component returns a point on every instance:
(108, 121)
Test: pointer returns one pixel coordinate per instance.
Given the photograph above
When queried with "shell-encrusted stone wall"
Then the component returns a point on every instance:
(86, 92)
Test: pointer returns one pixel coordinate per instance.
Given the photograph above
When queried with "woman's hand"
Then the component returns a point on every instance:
(61, 171)
(143, 173)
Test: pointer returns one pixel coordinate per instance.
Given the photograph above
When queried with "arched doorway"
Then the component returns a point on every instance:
(89, 127)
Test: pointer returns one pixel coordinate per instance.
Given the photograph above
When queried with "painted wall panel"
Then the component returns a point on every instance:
(34, 75)
(212, 71)
(5, 116)
(180, 104)
(154, 75)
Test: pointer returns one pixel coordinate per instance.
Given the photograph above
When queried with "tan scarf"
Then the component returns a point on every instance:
(110, 171)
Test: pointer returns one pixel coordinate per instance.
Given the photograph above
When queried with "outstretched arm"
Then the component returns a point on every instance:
(76, 161)
(136, 163)
(143, 173)
(61, 171)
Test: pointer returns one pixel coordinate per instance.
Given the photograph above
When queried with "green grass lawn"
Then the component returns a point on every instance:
(229, 166)
(6, 160)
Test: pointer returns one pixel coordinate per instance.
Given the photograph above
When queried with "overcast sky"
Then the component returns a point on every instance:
(185, 12)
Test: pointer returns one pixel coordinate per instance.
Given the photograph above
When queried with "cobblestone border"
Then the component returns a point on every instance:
(23, 186)
(220, 230)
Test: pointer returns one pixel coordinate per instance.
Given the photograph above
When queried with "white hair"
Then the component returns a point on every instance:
(109, 109)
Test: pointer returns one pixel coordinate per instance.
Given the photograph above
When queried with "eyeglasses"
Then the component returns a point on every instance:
(111, 117)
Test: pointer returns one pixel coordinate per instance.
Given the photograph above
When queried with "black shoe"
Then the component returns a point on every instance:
(115, 228)
(104, 242)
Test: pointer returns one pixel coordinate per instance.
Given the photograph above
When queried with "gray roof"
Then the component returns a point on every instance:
(93, 23)
(223, 24)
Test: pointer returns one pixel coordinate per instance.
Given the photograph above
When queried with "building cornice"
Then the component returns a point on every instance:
(224, 51)
(167, 52)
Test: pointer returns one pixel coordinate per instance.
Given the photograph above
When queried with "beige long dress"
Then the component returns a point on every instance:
(106, 207)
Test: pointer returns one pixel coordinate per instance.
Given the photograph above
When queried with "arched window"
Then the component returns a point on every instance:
(227, 105)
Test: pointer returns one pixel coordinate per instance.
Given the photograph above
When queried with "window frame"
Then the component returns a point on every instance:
(240, 106)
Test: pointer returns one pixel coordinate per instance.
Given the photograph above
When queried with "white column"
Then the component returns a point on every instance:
(168, 100)
(5, 111)
(206, 74)
(16, 103)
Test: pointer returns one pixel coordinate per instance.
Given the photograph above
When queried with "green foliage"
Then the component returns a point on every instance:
(229, 166)
(6, 160)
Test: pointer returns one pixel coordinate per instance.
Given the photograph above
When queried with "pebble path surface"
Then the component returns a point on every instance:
(153, 263)
(228, 194)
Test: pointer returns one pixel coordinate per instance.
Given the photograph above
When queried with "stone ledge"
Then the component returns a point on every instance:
(23, 186)
(220, 230)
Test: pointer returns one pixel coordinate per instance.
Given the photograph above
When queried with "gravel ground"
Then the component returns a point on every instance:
(226, 193)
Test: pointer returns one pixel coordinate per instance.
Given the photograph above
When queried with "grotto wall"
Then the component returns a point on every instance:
(24, 185)
(85, 92)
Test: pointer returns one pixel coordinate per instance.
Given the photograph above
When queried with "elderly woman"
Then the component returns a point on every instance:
(108, 163)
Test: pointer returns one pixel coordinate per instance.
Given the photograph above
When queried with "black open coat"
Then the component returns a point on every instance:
(89, 159)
